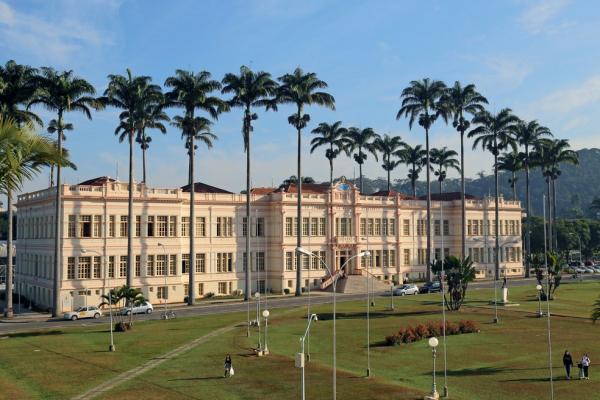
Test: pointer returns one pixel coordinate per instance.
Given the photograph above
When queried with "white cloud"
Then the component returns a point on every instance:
(576, 96)
(47, 38)
(537, 17)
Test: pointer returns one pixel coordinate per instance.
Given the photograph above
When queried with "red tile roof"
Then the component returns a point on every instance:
(392, 193)
(262, 190)
(99, 181)
(200, 187)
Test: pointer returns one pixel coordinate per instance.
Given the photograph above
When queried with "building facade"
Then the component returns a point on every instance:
(337, 223)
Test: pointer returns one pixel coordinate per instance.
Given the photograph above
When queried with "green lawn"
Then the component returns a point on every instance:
(500, 362)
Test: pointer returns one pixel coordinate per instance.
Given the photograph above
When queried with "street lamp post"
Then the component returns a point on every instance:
(539, 289)
(302, 250)
(166, 315)
(111, 346)
(434, 395)
(257, 297)
(392, 298)
(265, 315)
(300, 358)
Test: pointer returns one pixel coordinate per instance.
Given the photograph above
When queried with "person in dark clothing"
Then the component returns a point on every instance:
(228, 365)
(568, 363)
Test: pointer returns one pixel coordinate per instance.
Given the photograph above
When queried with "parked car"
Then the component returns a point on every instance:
(596, 268)
(409, 288)
(430, 287)
(145, 308)
(83, 312)
(588, 270)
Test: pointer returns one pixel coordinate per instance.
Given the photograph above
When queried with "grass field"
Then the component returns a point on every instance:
(500, 362)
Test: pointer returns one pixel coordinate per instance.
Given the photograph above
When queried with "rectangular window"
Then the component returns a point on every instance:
(244, 226)
(344, 226)
(138, 265)
(288, 226)
(370, 227)
(161, 265)
(84, 268)
(421, 256)
(260, 226)
(436, 227)
(377, 227)
(322, 224)
(391, 227)
(222, 287)
(421, 227)
(150, 228)
(305, 261)
(295, 227)
(438, 254)
(392, 258)
(172, 226)
(406, 260)
(469, 227)
(123, 226)
(363, 227)
(289, 261)
(162, 292)
(150, 265)
(446, 228)
(96, 270)
(224, 262)
(85, 226)
(163, 222)
(314, 226)
(305, 226)
(185, 226)
(201, 289)
(185, 263)
(172, 264)
(111, 266)
(224, 226)
(406, 227)
(97, 226)
(123, 266)
(111, 226)
(72, 228)
(260, 261)
(71, 268)
(138, 225)
(200, 263)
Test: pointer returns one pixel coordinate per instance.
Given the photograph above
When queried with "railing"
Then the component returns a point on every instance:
(329, 281)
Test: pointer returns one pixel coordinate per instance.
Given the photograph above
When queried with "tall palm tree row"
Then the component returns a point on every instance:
(334, 137)
(458, 102)
(527, 134)
(22, 155)
(362, 141)
(421, 102)
(149, 116)
(511, 161)
(388, 146)
(250, 90)
(62, 92)
(414, 158)
(130, 93)
(192, 92)
(302, 89)
(442, 160)
(494, 133)
(18, 88)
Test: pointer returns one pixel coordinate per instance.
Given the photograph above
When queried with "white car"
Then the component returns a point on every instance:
(84, 312)
(145, 308)
(406, 289)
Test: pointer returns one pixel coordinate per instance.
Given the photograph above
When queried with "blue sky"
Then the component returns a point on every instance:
(541, 58)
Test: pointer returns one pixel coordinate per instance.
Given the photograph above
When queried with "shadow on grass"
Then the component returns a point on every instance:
(362, 315)
(33, 334)
(202, 378)
(493, 370)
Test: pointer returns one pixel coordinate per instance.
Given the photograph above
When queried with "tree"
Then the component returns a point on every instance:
(62, 92)
(130, 93)
(149, 116)
(302, 89)
(494, 134)
(192, 92)
(459, 273)
(442, 159)
(595, 205)
(388, 146)
(361, 141)
(333, 136)
(458, 102)
(54, 127)
(22, 155)
(596, 310)
(420, 101)
(527, 134)
(250, 89)
(17, 89)
(511, 162)
(414, 158)
(553, 276)
(130, 297)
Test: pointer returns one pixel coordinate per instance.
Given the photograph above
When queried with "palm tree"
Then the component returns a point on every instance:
(420, 101)
(18, 88)
(362, 141)
(596, 310)
(494, 134)
(150, 116)
(332, 136)
(414, 158)
(442, 159)
(527, 134)
(54, 127)
(302, 89)
(250, 89)
(192, 92)
(62, 92)
(22, 155)
(388, 146)
(512, 162)
(130, 93)
(458, 102)
(541, 158)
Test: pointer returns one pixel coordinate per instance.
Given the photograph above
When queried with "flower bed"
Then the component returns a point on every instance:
(423, 331)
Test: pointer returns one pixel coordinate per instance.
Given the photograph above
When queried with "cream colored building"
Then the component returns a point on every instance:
(336, 224)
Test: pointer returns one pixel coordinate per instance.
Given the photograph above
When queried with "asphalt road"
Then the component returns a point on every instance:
(236, 306)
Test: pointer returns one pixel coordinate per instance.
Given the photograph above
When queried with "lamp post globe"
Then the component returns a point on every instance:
(265, 315)
(433, 342)
(434, 395)
(538, 287)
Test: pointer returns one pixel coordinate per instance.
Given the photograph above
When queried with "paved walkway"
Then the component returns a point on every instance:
(133, 373)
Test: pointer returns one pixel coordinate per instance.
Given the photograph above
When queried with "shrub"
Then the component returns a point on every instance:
(432, 328)
(122, 326)
(209, 295)
(452, 328)
(435, 328)
(286, 291)
(409, 335)
(468, 326)
(421, 331)
(393, 340)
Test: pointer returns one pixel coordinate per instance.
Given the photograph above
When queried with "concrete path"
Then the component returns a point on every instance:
(133, 373)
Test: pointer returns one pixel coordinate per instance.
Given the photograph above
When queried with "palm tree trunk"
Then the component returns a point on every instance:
(462, 196)
(130, 216)
(549, 213)
(497, 215)
(144, 163)
(192, 267)
(388, 176)
(514, 186)
(360, 177)
(528, 210)
(428, 257)
(51, 175)
(299, 209)
(248, 286)
(555, 230)
(8, 310)
(57, 229)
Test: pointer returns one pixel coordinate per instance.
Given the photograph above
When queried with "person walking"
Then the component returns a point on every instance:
(568, 363)
(585, 363)
(228, 366)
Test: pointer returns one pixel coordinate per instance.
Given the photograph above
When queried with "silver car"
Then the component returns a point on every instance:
(83, 312)
(145, 308)
(407, 289)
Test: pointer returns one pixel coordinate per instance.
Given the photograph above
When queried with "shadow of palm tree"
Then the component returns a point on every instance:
(33, 334)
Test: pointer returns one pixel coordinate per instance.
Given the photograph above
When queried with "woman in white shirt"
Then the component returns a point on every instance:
(585, 363)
